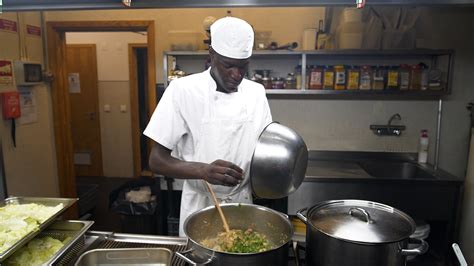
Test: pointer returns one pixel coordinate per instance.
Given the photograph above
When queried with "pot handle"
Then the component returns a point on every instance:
(366, 214)
(182, 255)
(301, 216)
(420, 250)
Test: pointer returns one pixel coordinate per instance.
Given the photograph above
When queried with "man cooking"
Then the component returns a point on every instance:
(206, 125)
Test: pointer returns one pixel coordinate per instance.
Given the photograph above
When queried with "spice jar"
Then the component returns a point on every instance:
(328, 81)
(353, 78)
(298, 77)
(316, 78)
(340, 77)
(277, 83)
(267, 82)
(404, 77)
(392, 78)
(290, 82)
(415, 77)
(365, 78)
(378, 78)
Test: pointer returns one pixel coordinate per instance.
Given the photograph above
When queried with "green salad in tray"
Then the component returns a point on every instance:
(18, 220)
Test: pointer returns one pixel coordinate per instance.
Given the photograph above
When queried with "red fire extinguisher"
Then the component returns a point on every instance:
(11, 109)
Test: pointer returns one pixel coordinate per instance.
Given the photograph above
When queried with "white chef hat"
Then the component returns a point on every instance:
(232, 37)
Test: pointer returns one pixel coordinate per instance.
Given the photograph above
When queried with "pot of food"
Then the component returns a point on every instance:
(258, 236)
(358, 232)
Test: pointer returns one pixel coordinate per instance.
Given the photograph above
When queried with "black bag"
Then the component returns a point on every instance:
(119, 204)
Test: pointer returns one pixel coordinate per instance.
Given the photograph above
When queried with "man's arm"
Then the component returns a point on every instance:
(219, 172)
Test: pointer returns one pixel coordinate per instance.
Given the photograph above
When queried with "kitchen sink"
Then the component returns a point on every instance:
(403, 170)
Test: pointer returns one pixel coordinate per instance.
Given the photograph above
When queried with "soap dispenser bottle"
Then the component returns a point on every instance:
(423, 147)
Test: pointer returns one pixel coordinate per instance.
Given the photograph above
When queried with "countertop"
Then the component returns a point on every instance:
(349, 166)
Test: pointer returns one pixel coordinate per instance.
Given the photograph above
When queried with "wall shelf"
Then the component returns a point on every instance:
(282, 62)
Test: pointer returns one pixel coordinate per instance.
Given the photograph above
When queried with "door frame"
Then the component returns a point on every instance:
(99, 139)
(56, 41)
(132, 68)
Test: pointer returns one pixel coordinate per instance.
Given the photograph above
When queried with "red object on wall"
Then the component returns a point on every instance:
(8, 25)
(11, 105)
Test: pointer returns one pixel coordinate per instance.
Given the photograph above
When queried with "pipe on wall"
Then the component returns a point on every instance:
(38, 5)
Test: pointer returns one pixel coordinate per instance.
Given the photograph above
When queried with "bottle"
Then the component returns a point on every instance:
(339, 77)
(378, 78)
(415, 77)
(392, 78)
(353, 75)
(298, 77)
(423, 148)
(404, 77)
(290, 82)
(328, 78)
(316, 78)
(365, 78)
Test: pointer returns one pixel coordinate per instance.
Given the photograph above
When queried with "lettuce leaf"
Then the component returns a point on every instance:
(18, 220)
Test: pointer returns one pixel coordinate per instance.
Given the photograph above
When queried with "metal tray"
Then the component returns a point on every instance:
(110, 240)
(44, 201)
(61, 230)
(126, 256)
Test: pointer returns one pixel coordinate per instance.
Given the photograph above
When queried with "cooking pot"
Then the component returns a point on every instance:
(206, 223)
(358, 232)
(278, 163)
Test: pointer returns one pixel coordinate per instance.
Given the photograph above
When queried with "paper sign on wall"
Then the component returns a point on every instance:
(33, 30)
(74, 83)
(8, 25)
(6, 72)
(29, 111)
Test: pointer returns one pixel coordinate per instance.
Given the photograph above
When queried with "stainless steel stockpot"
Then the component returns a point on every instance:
(358, 233)
(206, 223)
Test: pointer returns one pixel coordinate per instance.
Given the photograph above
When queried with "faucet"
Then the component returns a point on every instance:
(389, 129)
(393, 117)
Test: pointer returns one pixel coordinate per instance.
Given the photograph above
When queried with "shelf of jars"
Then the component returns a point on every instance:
(342, 74)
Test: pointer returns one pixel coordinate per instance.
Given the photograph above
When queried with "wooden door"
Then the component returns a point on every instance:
(84, 100)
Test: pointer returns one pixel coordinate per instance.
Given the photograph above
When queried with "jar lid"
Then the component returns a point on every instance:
(361, 221)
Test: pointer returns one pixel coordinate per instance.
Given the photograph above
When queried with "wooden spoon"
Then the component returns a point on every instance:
(218, 206)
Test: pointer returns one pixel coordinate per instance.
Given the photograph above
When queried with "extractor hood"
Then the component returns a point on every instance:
(38, 5)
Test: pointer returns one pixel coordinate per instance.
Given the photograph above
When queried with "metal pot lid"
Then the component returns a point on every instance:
(361, 221)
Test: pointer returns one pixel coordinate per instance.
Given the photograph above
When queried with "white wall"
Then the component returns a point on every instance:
(344, 124)
(114, 90)
(30, 168)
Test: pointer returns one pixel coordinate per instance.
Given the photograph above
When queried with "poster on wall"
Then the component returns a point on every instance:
(29, 110)
(6, 72)
(34, 31)
(8, 25)
(74, 83)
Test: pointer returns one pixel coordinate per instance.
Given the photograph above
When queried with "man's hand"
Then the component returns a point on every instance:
(223, 173)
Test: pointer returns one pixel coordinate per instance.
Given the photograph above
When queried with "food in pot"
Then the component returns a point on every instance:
(238, 241)
(18, 220)
(37, 252)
